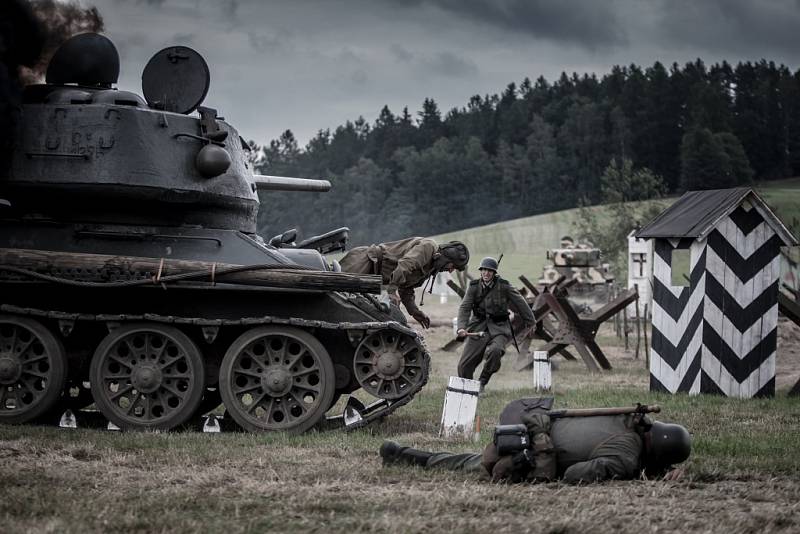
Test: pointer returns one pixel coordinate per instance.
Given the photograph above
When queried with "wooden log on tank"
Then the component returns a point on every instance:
(95, 267)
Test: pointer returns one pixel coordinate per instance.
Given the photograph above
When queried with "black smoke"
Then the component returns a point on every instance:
(59, 21)
(30, 32)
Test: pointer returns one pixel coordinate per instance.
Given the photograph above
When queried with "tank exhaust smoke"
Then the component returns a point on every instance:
(58, 21)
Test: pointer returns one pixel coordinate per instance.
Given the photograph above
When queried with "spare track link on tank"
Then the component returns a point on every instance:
(375, 412)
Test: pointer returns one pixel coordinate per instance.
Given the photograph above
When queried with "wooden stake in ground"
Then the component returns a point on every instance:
(460, 406)
(542, 377)
(638, 326)
(625, 323)
(646, 350)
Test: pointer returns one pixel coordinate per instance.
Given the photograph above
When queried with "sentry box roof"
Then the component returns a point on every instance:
(696, 213)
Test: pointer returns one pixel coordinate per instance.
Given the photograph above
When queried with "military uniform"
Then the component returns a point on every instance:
(587, 449)
(403, 266)
(485, 309)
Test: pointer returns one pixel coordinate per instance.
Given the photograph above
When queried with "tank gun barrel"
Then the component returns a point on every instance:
(285, 183)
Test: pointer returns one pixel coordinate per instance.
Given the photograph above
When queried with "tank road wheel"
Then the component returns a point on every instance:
(147, 376)
(277, 378)
(33, 369)
(388, 364)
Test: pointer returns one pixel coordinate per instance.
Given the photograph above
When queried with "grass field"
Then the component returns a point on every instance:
(742, 477)
(524, 242)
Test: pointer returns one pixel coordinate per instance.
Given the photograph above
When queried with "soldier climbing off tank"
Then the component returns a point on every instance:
(485, 310)
(405, 265)
(579, 449)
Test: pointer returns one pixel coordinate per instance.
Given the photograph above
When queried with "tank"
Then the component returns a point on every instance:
(132, 278)
(582, 262)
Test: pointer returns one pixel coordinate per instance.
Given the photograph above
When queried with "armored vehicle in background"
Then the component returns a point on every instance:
(582, 262)
(132, 276)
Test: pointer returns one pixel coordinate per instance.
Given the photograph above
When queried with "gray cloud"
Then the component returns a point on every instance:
(592, 24)
(359, 77)
(261, 42)
(400, 53)
(742, 26)
(311, 64)
(451, 65)
(183, 38)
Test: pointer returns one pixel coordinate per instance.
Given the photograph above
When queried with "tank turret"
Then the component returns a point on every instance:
(132, 277)
(88, 150)
(583, 262)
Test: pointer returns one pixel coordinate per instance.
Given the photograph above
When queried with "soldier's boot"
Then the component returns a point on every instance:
(483, 380)
(394, 453)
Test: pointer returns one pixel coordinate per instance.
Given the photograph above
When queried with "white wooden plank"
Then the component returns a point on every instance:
(728, 283)
(664, 274)
(745, 244)
(770, 275)
(671, 378)
(755, 382)
(657, 318)
(460, 407)
(709, 362)
(672, 329)
(744, 292)
(542, 376)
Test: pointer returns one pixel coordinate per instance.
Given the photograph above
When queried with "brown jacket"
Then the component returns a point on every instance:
(403, 265)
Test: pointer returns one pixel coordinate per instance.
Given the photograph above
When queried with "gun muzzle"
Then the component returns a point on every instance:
(285, 183)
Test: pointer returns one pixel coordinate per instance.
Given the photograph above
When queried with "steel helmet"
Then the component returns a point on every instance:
(670, 444)
(488, 263)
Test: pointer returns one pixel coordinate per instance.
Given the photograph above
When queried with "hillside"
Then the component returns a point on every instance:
(524, 242)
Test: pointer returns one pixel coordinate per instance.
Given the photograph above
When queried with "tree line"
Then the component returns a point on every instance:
(538, 147)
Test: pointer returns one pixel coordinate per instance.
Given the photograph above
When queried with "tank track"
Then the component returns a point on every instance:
(67, 320)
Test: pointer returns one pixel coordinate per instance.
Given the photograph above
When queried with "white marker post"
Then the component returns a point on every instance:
(542, 377)
(460, 406)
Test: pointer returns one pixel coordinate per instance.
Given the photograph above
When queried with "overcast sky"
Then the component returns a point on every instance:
(307, 65)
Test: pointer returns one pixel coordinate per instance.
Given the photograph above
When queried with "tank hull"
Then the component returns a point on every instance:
(83, 313)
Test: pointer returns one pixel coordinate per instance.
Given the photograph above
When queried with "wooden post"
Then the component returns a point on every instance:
(460, 406)
(646, 350)
(616, 317)
(638, 325)
(625, 323)
(542, 377)
(455, 287)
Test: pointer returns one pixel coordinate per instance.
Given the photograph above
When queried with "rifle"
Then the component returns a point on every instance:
(597, 412)
(513, 335)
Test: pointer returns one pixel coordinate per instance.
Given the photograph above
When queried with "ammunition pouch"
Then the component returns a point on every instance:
(511, 439)
(499, 317)
(495, 317)
(538, 426)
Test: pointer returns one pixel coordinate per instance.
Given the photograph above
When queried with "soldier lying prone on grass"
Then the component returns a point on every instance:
(572, 445)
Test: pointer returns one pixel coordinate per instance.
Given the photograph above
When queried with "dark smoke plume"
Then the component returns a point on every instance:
(59, 21)
(30, 32)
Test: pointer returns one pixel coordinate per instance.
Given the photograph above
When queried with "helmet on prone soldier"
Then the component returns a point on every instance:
(670, 444)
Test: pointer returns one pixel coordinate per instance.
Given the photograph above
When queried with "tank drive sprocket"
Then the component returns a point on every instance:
(388, 364)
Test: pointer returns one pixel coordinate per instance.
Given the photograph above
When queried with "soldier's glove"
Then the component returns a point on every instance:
(513, 468)
(422, 319)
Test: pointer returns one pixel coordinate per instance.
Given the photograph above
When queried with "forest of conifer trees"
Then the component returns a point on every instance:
(538, 147)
